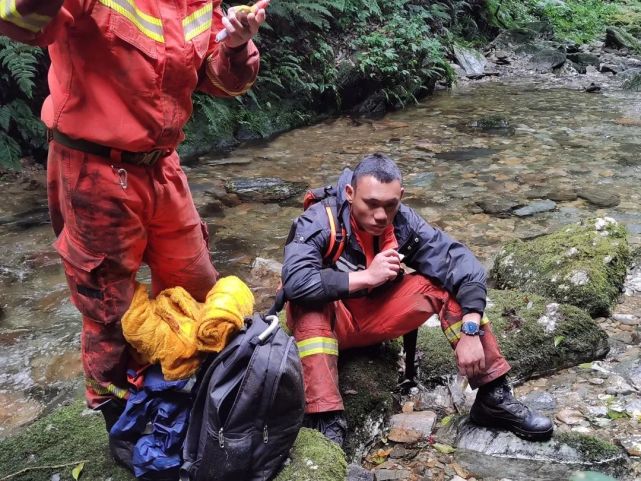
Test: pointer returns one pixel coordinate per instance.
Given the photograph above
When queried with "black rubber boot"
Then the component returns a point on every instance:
(496, 407)
(331, 424)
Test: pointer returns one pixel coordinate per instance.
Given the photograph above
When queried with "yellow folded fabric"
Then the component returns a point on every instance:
(163, 331)
(174, 330)
(227, 305)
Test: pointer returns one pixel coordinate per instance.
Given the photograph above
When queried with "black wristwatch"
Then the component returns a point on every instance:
(471, 329)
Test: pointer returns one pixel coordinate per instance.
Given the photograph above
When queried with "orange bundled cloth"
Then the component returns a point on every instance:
(228, 303)
(174, 330)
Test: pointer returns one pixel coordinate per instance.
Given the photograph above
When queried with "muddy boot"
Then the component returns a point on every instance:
(496, 407)
(331, 424)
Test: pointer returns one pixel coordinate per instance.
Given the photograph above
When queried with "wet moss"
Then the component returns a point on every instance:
(583, 265)
(594, 450)
(367, 379)
(314, 458)
(529, 349)
(65, 436)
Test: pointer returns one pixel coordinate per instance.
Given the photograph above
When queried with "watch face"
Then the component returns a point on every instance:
(469, 328)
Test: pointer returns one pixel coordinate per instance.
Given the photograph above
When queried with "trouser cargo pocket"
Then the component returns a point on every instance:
(91, 293)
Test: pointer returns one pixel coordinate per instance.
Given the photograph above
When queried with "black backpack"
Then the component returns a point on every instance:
(248, 408)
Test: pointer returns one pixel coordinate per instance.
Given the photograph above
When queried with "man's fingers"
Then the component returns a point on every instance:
(261, 15)
(228, 26)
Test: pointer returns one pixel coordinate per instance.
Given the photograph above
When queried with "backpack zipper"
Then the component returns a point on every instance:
(221, 438)
(265, 434)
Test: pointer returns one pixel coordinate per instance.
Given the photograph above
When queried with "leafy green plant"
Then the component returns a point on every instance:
(579, 20)
(21, 132)
(403, 56)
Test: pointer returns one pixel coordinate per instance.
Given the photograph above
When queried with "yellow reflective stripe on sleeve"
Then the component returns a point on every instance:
(216, 83)
(98, 388)
(198, 22)
(33, 22)
(317, 345)
(453, 332)
(149, 26)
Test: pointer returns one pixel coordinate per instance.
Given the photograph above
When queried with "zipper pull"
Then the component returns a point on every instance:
(221, 438)
(265, 434)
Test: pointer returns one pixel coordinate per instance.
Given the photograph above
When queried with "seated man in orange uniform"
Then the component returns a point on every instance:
(121, 79)
(360, 299)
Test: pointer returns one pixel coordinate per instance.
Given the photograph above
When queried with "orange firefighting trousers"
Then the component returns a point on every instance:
(395, 310)
(109, 218)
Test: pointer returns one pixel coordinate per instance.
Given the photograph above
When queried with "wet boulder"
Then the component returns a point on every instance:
(536, 335)
(264, 189)
(618, 38)
(633, 82)
(548, 59)
(487, 452)
(472, 61)
(583, 264)
(585, 59)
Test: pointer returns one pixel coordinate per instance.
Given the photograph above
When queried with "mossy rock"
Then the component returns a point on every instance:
(314, 458)
(367, 379)
(67, 435)
(519, 322)
(583, 265)
(71, 434)
(619, 38)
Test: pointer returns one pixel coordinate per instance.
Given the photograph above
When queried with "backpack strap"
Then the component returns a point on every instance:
(336, 236)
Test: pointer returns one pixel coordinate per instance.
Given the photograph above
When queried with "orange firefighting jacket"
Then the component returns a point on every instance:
(123, 71)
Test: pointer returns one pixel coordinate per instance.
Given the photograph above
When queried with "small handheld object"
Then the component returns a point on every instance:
(223, 34)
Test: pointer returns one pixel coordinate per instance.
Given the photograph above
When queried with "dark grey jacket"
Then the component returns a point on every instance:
(428, 250)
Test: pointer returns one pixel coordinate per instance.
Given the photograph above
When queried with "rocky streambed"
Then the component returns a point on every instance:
(499, 163)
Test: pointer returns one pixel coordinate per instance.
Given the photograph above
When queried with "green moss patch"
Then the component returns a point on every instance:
(314, 458)
(583, 265)
(593, 449)
(535, 335)
(66, 436)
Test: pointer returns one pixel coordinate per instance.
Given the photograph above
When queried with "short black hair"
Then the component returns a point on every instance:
(379, 166)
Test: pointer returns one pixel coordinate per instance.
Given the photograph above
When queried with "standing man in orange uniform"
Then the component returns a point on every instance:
(121, 79)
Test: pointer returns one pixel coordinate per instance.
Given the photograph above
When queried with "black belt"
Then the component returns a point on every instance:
(137, 158)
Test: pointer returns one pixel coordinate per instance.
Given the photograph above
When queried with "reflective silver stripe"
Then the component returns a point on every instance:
(33, 22)
(149, 26)
(198, 22)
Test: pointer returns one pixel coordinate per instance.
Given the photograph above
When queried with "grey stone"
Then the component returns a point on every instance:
(498, 206)
(600, 197)
(487, 452)
(411, 427)
(535, 208)
(585, 59)
(628, 319)
(541, 401)
(472, 61)
(358, 473)
(548, 59)
(265, 189)
(618, 386)
(632, 444)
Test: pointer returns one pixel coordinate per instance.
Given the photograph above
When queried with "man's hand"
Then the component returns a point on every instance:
(242, 26)
(385, 267)
(470, 356)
